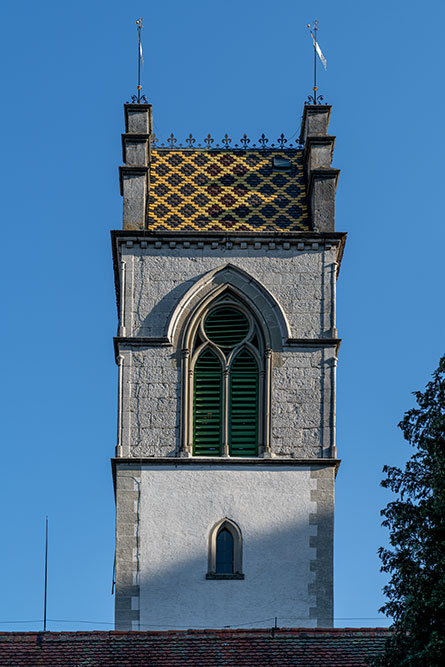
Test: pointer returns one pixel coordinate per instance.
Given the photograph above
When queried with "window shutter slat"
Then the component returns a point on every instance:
(207, 403)
(226, 326)
(243, 429)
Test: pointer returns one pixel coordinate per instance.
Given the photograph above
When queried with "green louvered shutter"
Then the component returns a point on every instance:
(207, 405)
(226, 326)
(243, 406)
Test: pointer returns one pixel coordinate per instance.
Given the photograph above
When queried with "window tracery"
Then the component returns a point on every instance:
(226, 372)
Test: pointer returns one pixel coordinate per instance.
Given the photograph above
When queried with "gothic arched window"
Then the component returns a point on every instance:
(225, 551)
(226, 374)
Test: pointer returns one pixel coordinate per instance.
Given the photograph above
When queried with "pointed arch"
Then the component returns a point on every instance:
(247, 288)
(225, 551)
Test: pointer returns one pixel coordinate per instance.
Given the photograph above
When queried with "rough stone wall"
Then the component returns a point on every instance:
(150, 411)
(302, 400)
(302, 395)
(301, 281)
(276, 510)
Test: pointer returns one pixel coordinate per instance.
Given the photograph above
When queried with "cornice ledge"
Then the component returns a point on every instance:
(225, 461)
(314, 342)
(222, 235)
(141, 341)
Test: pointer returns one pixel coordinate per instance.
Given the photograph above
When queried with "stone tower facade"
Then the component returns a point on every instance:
(227, 345)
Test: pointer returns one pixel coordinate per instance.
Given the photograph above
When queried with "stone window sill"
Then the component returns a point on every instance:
(211, 575)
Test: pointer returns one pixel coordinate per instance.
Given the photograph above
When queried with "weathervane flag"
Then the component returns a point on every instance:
(139, 25)
(318, 50)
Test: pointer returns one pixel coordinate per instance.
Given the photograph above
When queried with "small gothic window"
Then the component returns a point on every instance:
(225, 551)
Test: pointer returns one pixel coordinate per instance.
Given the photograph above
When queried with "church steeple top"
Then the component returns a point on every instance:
(230, 186)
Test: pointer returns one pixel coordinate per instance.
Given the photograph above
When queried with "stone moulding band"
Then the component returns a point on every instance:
(177, 461)
(145, 341)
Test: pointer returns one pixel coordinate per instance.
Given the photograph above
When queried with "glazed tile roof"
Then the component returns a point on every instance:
(232, 190)
(279, 648)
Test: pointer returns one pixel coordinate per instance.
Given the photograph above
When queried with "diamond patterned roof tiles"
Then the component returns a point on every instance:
(226, 190)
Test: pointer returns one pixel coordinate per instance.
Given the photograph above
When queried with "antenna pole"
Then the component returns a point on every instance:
(46, 576)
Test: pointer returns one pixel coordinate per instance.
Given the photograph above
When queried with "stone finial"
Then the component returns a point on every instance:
(134, 176)
(315, 121)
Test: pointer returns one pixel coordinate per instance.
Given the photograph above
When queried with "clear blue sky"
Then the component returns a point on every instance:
(209, 67)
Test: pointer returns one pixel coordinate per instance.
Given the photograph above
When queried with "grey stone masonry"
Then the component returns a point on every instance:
(135, 176)
(289, 279)
(321, 178)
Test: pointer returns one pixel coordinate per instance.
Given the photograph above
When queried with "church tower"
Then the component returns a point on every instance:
(227, 345)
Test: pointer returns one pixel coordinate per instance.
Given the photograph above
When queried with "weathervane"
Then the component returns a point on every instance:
(316, 99)
(139, 99)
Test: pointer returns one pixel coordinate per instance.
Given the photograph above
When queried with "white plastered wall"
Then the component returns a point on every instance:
(272, 507)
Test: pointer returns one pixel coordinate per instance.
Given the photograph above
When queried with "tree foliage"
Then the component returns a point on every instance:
(416, 521)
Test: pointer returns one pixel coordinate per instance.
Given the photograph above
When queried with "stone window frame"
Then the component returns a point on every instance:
(235, 531)
(189, 356)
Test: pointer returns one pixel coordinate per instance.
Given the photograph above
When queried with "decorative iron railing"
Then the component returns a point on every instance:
(226, 143)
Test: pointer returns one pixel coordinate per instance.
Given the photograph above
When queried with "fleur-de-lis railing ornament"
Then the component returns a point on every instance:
(141, 99)
(208, 141)
(282, 140)
(314, 99)
(263, 140)
(226, 141)
(245, 140)
(172, 140)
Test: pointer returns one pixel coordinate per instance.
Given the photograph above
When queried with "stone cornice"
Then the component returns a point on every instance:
(140, 341)
(230, 461)
(146, 341)
(314, 342)
(148, 234)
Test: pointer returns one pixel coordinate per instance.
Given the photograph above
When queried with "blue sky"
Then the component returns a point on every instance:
(209, 67)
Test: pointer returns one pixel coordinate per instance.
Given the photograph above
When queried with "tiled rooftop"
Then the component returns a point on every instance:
(231, 190)
(268, 648)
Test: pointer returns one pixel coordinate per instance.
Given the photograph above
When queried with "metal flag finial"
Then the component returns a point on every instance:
(315, 98)
(139, 99)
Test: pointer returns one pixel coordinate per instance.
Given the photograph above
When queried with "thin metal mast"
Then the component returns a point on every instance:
(139, 87)
(139, 99)
(46, 576)
(315, 98)
(315, 61)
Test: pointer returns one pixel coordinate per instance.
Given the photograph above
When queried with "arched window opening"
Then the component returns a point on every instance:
(226, 373)
(226, 393)
(225, 551)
